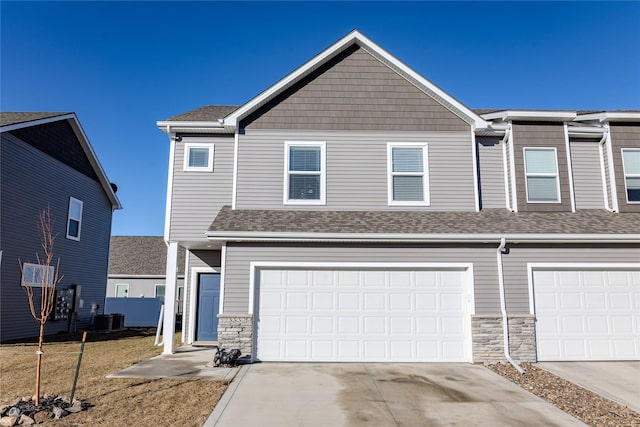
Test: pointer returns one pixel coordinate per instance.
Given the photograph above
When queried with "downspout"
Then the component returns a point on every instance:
(503, 307)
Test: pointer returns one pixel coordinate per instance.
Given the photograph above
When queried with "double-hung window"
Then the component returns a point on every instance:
(631, 168)
(74, 219)
(407, 174)
(36, 275)
(305, 173)
(541, 175)
(198, 157)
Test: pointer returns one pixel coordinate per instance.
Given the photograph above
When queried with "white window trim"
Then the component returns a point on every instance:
(425, 174)
(39, 267)
(155, 289)
(555, 175)
(125, 285)
(630, 175)
(323, 173)
(188, 146)
(69, 218)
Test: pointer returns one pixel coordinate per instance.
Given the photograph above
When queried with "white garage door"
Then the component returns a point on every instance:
(587, 315)
(373, 315)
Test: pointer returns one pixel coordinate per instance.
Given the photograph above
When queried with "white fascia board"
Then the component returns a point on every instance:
(611, 116)
(554, 116)
(457, 237)
(355, 35)
(189, 125)
(64, 116)
(140, 276)
(586, 130)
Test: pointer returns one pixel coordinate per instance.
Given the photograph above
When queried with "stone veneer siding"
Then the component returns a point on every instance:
(487, 341)
(236, 331)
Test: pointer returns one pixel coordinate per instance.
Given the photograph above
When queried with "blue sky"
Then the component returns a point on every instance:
(122, 66)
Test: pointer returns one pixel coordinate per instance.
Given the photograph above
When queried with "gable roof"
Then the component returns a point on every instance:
(13, 121)
(597, 225)
(355, 37)
(141, 256)
(205, 114)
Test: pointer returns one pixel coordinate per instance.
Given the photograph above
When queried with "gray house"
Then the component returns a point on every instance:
(46, 160)
(354, 211)
(137, 268)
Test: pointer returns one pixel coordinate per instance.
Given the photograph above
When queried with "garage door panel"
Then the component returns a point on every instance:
(395, 315)
(587, 314)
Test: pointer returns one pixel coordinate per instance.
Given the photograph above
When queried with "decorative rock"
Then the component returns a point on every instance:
(8, 421)
(25, 421)
(42, 416)
(14, 412)
(59, 412)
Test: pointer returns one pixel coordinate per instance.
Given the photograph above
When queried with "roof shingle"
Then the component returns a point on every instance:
(141, 256)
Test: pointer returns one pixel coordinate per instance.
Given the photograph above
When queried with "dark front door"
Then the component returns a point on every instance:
(208, 304)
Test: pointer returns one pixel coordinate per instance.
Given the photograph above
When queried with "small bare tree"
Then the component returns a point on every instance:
(42, 275)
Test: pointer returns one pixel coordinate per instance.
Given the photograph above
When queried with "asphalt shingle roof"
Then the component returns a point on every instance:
(141, 255)
(489, 221)
(12, 118)
(208, 113)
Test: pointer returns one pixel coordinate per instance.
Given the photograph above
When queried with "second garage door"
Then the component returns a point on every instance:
(363, 315)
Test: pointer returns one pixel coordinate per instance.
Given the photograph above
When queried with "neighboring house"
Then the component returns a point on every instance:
(354, 211)
(46, 161)
(137, 268)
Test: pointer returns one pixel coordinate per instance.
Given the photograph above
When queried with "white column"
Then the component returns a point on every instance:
(169, 322)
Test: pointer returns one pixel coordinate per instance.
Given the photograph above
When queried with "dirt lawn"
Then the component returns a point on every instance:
(117, 402)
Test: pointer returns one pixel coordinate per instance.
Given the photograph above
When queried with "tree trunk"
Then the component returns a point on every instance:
(39, 363)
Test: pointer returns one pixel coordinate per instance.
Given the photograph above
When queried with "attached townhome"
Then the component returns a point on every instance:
(354, 211)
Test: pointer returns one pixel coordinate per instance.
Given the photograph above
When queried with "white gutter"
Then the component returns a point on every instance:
(512, 170)
(503, 307)
(249, 236)
(505, 168)
(476, 184)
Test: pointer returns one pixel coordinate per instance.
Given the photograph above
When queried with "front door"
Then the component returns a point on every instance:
(208, 304)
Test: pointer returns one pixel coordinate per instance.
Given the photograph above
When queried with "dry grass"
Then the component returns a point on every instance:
(116, 401)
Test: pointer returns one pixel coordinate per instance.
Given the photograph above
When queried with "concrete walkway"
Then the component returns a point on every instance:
(617, 381)
(384, 395)
(188, 363)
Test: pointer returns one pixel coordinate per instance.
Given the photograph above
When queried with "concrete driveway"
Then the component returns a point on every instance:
(357, 394)
(617, 381)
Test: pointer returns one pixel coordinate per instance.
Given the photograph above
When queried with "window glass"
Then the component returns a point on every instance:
(37, 275)
(631, 161)
(304, 173)
(199, 157)
(304, 187)
(74, 219)
(407, 159)
(407, 174)
(408, 188)
(541, 170)
(304, 159)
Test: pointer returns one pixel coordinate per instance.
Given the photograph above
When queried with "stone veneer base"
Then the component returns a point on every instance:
(236, 331)
(487, 338)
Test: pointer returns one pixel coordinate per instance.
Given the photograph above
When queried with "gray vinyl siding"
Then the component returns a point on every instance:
(356, 92)
(515, 265)
(491, 173)
(239, 256)
(356, 169)
(139, 287)
(31, 181)
(198, 196)
(541, 135)
(623, 136)
(197, 259)
(587, 175)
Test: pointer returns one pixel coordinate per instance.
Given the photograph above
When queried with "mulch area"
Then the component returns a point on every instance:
(585, 405)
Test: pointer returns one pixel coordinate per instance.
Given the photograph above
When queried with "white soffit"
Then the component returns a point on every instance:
(354, 36)
(611, 116)
(548, 116)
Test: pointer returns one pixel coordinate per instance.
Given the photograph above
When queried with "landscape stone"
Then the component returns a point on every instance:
(59, 412)
(42, 416)
(25, 421)
(14, 412)
(8, 421)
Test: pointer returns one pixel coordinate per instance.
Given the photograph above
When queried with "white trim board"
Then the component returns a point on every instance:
(193, 293)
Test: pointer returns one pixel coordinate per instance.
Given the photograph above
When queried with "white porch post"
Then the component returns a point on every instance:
(169, 321)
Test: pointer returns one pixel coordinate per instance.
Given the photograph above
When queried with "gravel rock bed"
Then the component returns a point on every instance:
(576, 401)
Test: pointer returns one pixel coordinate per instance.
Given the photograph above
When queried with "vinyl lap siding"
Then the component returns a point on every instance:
(623, 136)
(239, 256)
(31, 181)
(491, 173)
(356, 169)
(355, 91)
(515, 265)
(541, 135)
(198, 196)
(587, 175)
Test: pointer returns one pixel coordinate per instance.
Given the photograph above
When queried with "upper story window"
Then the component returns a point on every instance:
(631, 167)
(407, 174)
(305, 173)
(74, 219)
(198, 157)
(36, 275)
(541, 171)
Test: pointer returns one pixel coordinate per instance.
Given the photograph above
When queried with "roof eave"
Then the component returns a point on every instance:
(531, 115)
(610, 116)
